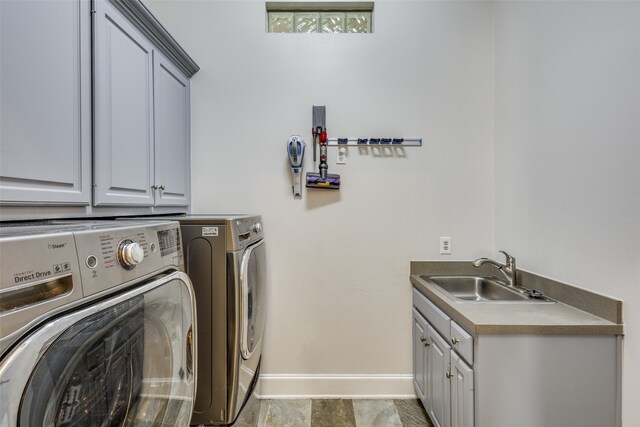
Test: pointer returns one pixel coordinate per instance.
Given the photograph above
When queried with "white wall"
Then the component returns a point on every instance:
(567, 102)
(567, 151)
(339, 296)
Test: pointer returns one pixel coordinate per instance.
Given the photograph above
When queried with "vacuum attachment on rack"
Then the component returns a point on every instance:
(319, 122)
(321, 179)
(331, 181)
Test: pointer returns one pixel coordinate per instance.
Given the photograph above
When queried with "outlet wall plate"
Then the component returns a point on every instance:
(445, 245)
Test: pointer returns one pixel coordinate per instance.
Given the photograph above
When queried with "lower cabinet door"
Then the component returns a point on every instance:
(420, 356)
(461, 393)
(438, 379)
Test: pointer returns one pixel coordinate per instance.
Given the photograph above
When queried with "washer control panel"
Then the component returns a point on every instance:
(128, 251)
(50, 264)
(169, 241)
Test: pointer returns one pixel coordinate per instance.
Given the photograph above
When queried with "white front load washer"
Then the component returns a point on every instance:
(97, 325)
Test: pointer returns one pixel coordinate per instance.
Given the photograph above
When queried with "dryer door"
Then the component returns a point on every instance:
(126, 360)
(253, 279)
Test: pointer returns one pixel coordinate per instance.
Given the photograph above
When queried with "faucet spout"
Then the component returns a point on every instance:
(508, 269)
(480, 261)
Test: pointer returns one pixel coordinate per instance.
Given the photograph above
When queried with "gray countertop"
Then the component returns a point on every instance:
(561, 318)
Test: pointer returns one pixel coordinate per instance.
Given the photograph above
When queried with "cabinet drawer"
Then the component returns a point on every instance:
(462, 342)
(440, 321)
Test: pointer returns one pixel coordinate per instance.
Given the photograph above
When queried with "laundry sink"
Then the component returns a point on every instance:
(481, 289)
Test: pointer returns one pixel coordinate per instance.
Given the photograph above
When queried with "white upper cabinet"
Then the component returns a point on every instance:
(142, 137)
(45, 103)
(172, 133)
(123, 88)
(95, 110)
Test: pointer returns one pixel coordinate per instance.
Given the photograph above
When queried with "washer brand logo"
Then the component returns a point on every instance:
(19, 278)
(57, 245)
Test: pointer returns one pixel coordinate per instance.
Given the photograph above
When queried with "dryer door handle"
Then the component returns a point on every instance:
(190, 350)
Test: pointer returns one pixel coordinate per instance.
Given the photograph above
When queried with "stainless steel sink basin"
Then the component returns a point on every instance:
(480, 289)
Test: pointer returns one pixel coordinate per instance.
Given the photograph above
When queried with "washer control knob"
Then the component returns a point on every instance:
(130, 254)
(257, 227)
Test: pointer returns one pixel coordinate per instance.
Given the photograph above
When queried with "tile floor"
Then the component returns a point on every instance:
(333, 413)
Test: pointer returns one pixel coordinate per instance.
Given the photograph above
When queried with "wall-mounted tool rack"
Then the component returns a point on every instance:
(375, 142)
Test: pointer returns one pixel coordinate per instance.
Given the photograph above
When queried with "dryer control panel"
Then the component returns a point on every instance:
(243, 232)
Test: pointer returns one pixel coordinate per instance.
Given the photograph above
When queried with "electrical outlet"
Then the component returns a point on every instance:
(445, 245)
(341, 158)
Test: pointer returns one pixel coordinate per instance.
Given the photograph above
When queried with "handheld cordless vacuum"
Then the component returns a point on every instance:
(295, 149)
(321, 179)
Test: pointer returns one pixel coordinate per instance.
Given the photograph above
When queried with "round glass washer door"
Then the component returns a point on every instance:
(125, 361)
(252, 282)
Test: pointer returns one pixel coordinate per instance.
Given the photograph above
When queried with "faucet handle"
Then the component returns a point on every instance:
(510, 260)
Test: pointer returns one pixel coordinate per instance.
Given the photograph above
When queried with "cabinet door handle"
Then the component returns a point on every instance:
(161, 187)
(448, 374)
(455, 341)
(154, 187)
(423, 340)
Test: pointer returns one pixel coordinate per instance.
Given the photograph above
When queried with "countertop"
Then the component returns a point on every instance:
(560, 318)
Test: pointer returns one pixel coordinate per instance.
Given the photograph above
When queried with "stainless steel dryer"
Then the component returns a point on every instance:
(96, 325)
(226, 260)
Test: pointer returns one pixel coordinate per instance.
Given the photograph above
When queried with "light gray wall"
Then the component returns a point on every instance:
(339, 296)
(567, 151)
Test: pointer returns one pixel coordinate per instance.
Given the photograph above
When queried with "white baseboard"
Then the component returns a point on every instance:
(336, 386)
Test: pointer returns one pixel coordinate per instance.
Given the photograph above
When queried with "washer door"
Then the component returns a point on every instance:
(127, 360)
(252, 280)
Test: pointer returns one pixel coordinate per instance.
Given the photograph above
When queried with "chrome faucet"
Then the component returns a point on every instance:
(508, 269)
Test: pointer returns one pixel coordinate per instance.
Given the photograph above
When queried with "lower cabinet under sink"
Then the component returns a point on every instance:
(512, 380)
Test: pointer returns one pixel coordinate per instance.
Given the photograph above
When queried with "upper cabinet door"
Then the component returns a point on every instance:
(172, 134)
(45, 102)
(123, 90)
